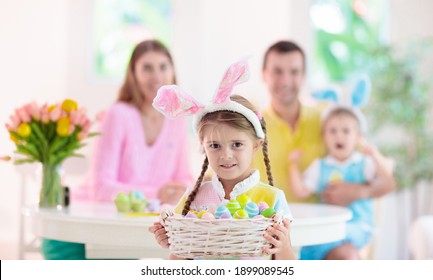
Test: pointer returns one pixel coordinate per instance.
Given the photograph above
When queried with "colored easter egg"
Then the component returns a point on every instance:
(222, 209)
(226, 216)
(136, 195)
(208, 216)
(138, 205)
(153, 205)
(268, 212)
(243, 199)
(211, 208)
(191, 214)
(123, 202)
(200, 214)
(241, 214)
(233, 206)
(252, 209)
(262, 206)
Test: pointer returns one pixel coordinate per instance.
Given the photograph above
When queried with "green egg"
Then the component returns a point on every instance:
(233, 206)
(268, 212)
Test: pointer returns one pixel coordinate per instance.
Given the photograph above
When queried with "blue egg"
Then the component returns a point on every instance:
(221, 210)
(252, 209)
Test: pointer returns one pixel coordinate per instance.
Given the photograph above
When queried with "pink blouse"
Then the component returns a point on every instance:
(124, 162)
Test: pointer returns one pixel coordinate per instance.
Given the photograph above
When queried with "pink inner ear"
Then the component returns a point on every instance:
(172, 101)
(236, 74)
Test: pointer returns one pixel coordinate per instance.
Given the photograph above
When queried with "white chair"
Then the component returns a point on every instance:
(421, 238)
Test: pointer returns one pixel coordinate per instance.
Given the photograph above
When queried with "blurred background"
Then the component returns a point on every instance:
(53, 49)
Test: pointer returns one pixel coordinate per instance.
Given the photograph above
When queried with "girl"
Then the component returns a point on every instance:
(230, 132)
(342, 134)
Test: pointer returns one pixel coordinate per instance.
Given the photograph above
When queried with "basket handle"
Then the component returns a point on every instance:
(164, 215)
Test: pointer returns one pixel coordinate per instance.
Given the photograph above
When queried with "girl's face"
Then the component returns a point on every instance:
(341, 134)
(153, 70)
(230, 152)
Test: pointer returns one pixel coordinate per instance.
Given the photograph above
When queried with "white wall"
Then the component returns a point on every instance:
(33, 66)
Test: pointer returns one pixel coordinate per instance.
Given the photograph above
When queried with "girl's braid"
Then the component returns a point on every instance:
(266, 155)
(194, 192)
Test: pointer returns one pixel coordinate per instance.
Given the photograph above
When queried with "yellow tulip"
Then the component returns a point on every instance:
(62, 128)
(13, 138)
(69, 105)
(52, 107)
(24, 130)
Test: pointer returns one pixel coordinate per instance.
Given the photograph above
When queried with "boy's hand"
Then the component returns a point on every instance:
(366, 148)
(160, 234)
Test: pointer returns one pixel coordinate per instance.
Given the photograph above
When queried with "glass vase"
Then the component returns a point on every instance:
(51, 195)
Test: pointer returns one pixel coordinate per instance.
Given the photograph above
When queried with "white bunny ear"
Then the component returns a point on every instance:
(236, 74)
(172, 102)
(361, 91)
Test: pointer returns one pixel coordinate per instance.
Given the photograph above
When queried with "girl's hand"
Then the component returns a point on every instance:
(160, 234)
(278, 236)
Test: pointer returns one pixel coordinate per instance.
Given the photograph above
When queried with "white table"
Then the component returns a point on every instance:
(108, 234)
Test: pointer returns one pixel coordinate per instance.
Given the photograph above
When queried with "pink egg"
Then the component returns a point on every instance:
(208, 216)
(191, 214)
(262, 206)
(225, 216)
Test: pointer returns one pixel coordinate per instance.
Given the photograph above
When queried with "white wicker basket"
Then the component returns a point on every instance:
(220, 238)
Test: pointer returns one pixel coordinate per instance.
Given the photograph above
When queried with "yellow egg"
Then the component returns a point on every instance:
(243, 199)
(241, 214)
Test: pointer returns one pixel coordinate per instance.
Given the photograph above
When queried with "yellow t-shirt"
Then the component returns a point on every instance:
(282, 140)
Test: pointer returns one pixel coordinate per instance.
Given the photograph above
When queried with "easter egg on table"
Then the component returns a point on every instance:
(262, 206)
(139, 205)
(233, 206)
(123, 202)
(268, 212)
(243, 199)
(252, 209)
(222, 209)
(136, 195)
(241, 214)
(153, 205)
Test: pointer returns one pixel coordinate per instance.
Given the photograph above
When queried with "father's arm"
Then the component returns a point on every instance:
(342, 193)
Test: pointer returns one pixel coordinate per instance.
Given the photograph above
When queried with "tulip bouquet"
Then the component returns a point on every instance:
(49, 134)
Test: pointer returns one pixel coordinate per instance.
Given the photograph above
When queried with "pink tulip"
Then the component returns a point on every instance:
(23, 114)
(15, 121)
(55, 114)
(35, 111)
(71, 128)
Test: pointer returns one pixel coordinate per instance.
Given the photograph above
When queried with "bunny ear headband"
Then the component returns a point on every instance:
(173, 102)
(358, 97)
